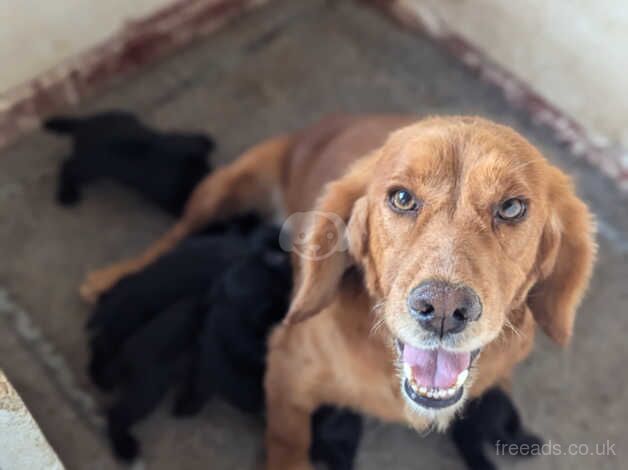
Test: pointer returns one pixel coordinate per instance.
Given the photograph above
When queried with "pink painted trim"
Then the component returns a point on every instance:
(611, 161)
(137, 44)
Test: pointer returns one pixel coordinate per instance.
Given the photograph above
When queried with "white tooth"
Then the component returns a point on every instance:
(407, 369)
(413, 385)
(442, 394)
(451, 391)
(430, 394)
(423, 390)
(462, 377)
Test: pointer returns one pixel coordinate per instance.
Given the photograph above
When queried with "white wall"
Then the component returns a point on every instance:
(36, 35)
(573, 52)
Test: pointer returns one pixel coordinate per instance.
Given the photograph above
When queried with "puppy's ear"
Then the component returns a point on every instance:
(565, 261)
(62, 124)
(334, 240)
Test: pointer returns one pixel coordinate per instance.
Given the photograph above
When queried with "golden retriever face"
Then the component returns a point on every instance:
(453, 222)
(465, 212)
(455, 219)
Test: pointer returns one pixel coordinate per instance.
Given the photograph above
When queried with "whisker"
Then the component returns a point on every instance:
(380, 320)
(379, 323)
(514, 329)
(378, 305)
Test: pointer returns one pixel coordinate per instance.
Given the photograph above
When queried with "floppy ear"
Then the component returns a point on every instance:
(565, 261)
(338, 223)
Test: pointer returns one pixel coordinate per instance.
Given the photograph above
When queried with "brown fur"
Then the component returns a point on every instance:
(532, 272)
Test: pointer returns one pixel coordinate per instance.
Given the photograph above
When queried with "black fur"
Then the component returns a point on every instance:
(336, 435)
(145, 368)
(186, 272)
(244, 304)
(199, 317)
(163, 166)
(485, 421)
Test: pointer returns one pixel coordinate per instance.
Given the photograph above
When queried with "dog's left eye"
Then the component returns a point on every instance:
(402, 200)
(511, 209)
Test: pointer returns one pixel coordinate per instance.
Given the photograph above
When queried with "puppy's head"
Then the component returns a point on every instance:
(455, 223)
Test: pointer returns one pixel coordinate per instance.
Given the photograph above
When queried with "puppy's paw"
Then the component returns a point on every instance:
(97, 371)
(125, 446)
(186, 409)
(480, 463)
(187, 405)
(527, 440)
(68, 195)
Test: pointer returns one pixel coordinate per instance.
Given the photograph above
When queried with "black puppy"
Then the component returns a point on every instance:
(163, 166)
(145, 335)
(143, 331)
(247, 301)
(147, 365)
(336, 434)
(187, 271)
(490, 419)
(230, 356)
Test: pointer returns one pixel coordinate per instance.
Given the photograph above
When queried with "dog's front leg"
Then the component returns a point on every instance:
(288, 436)
(290, 404)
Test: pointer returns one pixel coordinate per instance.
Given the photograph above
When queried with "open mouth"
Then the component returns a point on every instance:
(434, 378)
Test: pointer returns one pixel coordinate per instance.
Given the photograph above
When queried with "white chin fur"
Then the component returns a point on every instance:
(439, 418)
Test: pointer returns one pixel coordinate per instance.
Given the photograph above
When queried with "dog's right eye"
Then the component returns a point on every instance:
(511, 209)
(403, 201)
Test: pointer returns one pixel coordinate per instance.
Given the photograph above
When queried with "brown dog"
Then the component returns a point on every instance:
(459, 237)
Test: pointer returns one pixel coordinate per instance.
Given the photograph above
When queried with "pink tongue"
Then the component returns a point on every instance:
(435, 367)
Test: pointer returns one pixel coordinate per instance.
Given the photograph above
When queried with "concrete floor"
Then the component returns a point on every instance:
(273, 70)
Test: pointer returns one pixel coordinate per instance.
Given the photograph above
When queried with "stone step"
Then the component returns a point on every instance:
(71, 435)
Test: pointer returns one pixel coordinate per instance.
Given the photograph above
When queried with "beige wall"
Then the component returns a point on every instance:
(36, 35)
(573, 52)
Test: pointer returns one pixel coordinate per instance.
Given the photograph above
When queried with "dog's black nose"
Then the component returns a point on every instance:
(442, 308)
